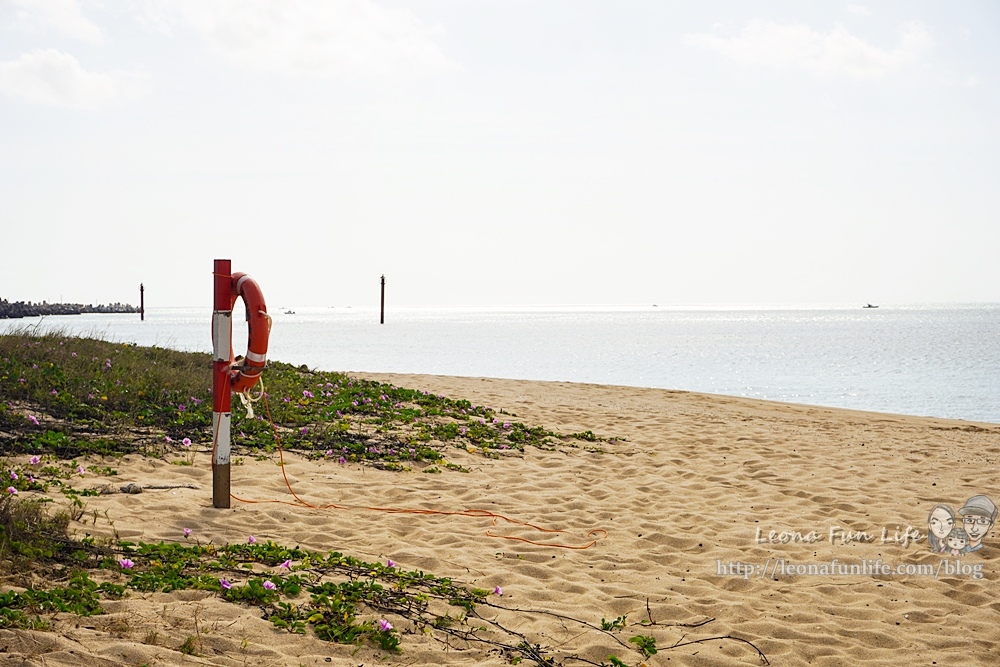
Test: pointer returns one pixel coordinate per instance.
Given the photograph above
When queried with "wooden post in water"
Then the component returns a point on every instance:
(222, 344)
(142, 302)
(381, 319)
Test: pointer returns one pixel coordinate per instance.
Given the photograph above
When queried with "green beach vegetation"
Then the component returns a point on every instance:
(69, 396)
(72, 405)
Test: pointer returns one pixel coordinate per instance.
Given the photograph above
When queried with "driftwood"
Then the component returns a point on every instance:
(133, 487)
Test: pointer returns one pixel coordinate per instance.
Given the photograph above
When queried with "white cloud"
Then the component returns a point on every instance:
(53, 78)
(62, 16)
(301, 37)
(860, 10)
(799, 47)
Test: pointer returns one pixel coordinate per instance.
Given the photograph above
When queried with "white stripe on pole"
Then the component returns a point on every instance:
(222, 334)
(220, 427)
(253, 356)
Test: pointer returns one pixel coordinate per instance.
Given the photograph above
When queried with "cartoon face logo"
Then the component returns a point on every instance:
(939, 525)
(957, 541)
(978, 516)
(962, 533)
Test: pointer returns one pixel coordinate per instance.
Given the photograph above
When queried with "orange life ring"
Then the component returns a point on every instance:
(245, 375)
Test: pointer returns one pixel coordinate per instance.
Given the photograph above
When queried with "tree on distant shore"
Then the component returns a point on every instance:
(17, 309)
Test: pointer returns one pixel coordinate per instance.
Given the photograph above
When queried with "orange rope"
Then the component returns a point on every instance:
(477, 513)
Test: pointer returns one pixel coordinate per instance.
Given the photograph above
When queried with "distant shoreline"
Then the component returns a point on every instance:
(18, 309)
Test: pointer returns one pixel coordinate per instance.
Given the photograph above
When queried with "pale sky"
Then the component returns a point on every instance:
(499, 152)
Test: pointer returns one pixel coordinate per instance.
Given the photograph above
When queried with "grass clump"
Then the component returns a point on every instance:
(30, 537)
(27, 532)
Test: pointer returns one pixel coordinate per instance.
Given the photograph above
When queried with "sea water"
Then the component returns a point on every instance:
(931, 360)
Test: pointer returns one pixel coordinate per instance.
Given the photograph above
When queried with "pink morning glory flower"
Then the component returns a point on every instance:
(186, 442)
(33, 419)
(187, 532)
(79, 470)
(225, 584)
(384, 625)
(169, 439)
(126, 563)
(11, 490)
(13, 475)
(54, 392)
(304, 430)
(35, 460)
(269, 585)
(342, 460)
(252, 540)
(390, 562)
(497, 590)
(287, 565)
(307, 394)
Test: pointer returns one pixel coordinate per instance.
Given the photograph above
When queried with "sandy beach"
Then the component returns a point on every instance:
(658, 518)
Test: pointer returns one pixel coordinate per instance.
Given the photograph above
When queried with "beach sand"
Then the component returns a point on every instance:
(681, 483)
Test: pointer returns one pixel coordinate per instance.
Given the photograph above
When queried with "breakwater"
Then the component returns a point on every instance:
(16, 309)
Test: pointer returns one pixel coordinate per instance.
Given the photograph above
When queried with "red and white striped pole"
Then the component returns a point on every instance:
(222, 345)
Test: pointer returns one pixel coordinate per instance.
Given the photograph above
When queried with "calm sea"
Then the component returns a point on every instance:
(932, 360)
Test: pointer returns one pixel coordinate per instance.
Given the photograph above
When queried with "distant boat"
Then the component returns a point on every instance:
(292, 312)
(870, 306)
